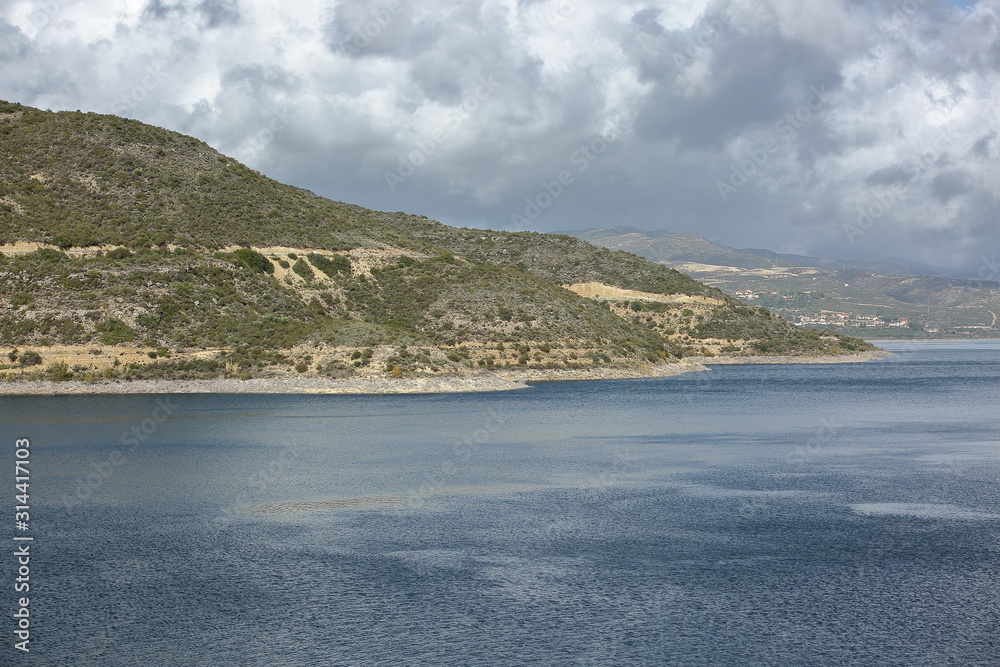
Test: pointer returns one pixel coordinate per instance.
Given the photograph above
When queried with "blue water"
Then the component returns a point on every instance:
(756, 515)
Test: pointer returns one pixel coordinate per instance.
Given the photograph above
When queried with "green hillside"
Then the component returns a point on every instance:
(80, 179)
(151, 222)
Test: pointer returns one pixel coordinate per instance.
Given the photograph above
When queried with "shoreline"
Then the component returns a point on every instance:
(486, 381)
(501, 380)
(686, 365)
(305, 386)
(876, 341)
(855, 358)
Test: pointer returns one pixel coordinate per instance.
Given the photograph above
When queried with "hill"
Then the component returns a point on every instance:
(129, 250)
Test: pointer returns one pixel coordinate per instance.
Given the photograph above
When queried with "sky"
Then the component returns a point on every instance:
(836, 128)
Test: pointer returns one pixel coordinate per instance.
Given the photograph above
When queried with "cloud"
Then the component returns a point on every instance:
(949, 184)
(14, 45)
(363, 29)
(212, 13)
(811, 113)
(159, 10)
(219, 13)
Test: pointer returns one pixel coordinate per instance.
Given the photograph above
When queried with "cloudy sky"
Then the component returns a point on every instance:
(846, 128)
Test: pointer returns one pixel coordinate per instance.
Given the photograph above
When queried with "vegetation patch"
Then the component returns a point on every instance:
(303, 270)
(252, 260)
(331, 266)
(114, 331)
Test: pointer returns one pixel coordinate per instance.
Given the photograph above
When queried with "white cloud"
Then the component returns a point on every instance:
(698, 87)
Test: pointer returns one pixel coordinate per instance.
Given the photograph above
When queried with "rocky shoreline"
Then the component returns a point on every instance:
(436, 385)
(857, 357)
(570, 374)
(505, 380)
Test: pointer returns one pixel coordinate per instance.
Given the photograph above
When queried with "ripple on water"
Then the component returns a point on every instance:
(386, 501)
(923, 511)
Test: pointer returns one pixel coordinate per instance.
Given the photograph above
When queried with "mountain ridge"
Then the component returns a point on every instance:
(673, 250)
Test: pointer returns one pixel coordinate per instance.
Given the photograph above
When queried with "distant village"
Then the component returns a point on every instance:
(851, 320)
(830, 319)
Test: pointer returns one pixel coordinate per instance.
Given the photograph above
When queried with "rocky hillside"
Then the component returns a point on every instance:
(128, 250)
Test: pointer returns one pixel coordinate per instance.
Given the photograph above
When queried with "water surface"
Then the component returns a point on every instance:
(785, 515)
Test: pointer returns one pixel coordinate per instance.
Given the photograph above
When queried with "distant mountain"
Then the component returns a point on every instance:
(689, 247)
(797, 286)
(662, 246)
(897, 268)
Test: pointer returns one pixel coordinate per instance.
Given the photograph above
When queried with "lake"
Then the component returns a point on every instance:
(842, 514)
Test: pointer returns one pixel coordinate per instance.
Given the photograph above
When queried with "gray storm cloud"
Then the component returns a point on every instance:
(842, 128)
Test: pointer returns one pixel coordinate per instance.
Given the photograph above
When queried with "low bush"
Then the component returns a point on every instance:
(114, 331)
(30, 358)
(59, 372)
(330, 265)
(253, 260)
(303, 270)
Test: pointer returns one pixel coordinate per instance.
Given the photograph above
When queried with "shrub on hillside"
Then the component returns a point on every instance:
(22, 299)
(330, 265)
(253, 260)
(50, 255)
(118, 253)
(59, 372)
(31, 358)
(114, 331)
(303, 269)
